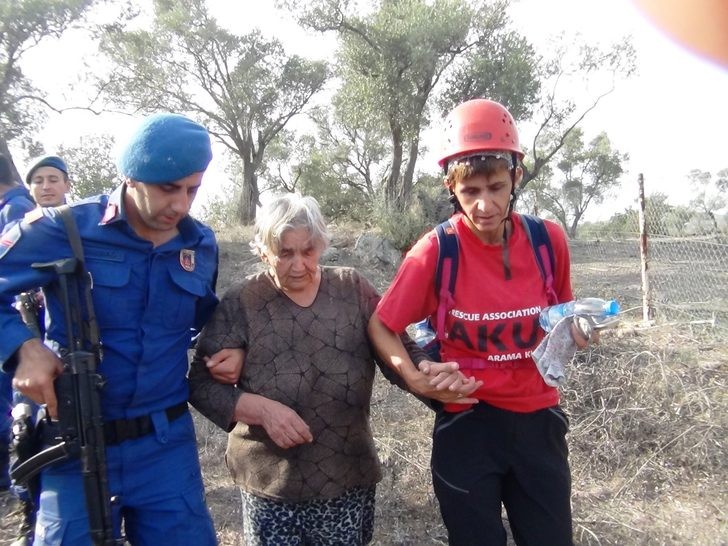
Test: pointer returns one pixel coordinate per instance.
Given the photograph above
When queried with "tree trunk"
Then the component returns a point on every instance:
(391, 187)
(574, 225)
(6, 152)
(405, 190)
(249, 196)
(715, 222)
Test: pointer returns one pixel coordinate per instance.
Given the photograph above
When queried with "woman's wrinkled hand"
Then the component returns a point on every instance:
(284, 426)
(226, 365)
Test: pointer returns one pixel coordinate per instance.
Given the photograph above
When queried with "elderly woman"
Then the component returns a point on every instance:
(300, 447)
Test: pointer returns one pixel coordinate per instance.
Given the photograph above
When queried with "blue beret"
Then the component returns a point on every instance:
(47, 161)
(164, 149)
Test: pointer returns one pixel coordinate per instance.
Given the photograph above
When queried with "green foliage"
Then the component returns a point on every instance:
(356, 155)
(221, 211)
(429, 207)
(709, 195)
(584, 175)
(325, 168)
(91, 169)
(337, 201)
(244, 88)
(571, 63)
(503, 67)
(392, 57)
(397, 59)
(663, 220)
(23, 25)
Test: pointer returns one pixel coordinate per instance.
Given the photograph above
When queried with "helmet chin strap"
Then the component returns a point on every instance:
(454, 201)
(508, 219)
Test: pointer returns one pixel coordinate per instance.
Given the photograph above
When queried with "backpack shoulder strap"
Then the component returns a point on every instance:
(446, 273)
(538, 236)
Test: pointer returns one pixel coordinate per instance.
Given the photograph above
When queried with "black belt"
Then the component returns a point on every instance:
(122, 430)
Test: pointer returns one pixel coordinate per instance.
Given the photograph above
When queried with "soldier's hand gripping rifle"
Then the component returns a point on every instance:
(80, 431)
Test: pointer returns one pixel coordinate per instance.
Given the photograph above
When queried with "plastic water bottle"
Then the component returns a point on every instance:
(424, 333)
(601, 313)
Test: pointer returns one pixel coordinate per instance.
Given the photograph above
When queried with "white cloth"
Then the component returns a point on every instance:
(554, 352)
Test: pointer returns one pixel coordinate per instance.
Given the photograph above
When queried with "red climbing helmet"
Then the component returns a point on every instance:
(479, 125)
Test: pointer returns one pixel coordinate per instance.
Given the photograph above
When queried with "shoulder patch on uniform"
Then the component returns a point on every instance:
(187, 259)
(33, 215)
(8, 239)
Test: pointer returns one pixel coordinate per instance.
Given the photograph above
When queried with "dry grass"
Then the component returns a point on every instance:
(649, 417)
(648, 430)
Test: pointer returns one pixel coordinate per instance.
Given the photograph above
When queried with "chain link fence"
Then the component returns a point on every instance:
(686, 267)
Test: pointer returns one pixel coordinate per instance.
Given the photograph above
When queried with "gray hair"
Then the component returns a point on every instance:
(289, 211)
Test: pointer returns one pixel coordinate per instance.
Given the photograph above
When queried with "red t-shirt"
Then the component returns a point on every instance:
(493, 318)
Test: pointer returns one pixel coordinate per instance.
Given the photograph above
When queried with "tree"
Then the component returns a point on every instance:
(593, 69)
(23, 25)
(586, 175)
(531, 87)
(91, 169)
(709, 194)
(391, 59)
(324, 168)
(244, 88)
(664, 219)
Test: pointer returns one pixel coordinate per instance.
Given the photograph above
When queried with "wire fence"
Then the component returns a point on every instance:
(686, 264)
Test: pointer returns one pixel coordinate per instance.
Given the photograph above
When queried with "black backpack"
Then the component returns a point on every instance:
(447, 269)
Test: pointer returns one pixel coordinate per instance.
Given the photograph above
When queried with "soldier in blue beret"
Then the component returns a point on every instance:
(15, 201)
(153, 270)
(48, 181)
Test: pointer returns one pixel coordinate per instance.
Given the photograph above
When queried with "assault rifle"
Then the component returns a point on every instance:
(79, 431)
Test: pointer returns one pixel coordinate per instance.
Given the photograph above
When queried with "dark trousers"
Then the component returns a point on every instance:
(6, 421)
(486, 456)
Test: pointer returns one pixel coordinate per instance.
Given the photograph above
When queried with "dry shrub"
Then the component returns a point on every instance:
(648, 425)
(648, 429)
(406, 511)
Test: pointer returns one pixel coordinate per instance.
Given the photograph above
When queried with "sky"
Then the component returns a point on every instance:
(670, 118)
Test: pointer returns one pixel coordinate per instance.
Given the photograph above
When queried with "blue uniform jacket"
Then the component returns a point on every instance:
(14, 204)
(148, 300)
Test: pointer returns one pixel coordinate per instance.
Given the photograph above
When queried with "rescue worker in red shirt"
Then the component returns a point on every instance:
(508, 447)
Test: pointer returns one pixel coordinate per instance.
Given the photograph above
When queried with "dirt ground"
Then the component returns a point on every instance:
(648, 411)
(648, 428)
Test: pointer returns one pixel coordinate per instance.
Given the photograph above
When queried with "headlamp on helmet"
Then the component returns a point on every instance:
(477, 159)
(478, 127)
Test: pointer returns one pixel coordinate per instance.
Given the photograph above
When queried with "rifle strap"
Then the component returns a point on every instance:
(91, 326)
